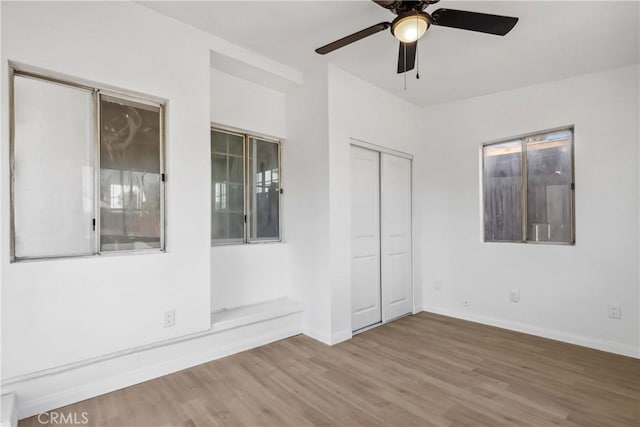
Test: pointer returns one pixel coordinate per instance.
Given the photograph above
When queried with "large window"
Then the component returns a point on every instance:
(87, 170)
(529, 189)
(245, 188)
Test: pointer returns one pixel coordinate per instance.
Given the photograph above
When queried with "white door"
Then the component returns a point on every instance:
(365, 238)
(395, 183)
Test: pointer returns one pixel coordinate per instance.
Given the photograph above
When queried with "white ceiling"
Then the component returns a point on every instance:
(552, 40)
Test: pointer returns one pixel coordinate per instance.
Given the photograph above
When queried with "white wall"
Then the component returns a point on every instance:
(306, 157)
(362, 111)
(564, 289)
(249, 274)
(57, 312)
(247, 105)
(332, 107)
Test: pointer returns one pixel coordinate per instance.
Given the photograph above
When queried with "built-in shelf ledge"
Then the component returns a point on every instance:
(220, 321)
(248, 314)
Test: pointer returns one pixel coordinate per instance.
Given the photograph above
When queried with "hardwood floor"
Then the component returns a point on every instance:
(423, 370)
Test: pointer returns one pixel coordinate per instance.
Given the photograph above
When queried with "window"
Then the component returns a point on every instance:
(528, 189)
(227, 178)
(130, 175)
(245, 186)
(87, 170)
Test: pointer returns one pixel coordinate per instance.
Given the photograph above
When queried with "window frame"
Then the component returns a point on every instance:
(523, 199)
(246, 137)
(230, 242)
(96, 91)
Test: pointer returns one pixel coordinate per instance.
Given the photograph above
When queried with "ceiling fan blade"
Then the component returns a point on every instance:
(407, 57)
(387, 4)
(353, 38)
(474, 21)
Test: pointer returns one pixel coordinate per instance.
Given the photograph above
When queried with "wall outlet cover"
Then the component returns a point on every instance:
(614, 311)
(514, 295)
(169, 318)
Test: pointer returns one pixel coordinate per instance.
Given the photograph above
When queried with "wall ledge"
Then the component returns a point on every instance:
(232, 331)
(245, 315)
(220, 321)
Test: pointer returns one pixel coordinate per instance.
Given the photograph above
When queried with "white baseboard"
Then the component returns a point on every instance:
(328, 339)
(46, 393)
(341, 336)
(608, 346)
(317, 335)
(8, 411)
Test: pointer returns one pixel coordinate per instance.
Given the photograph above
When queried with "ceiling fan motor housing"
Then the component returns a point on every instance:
(400, 7)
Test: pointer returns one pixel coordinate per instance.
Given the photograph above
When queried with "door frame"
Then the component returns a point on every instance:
(381, 149)
(385, 150)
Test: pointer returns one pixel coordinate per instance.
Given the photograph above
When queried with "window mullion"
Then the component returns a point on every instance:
(245, 163)
(523, 168)
(227, 192)
(254, 189)
(96, 171)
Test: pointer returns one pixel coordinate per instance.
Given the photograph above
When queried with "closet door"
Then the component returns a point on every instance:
(397, 293)
(365, 238)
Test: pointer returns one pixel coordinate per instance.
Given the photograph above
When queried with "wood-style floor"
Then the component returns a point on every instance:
(421, 370)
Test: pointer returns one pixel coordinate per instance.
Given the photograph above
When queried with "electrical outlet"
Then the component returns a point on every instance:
(514, 295)
(437, 285)
(615, 311)
(169, 318)
(466, 302)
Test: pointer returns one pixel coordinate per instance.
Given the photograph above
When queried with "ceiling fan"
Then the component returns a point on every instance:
(412, 22)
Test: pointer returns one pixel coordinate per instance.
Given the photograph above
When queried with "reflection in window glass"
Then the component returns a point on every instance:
(264, 182)
(130, 181)
(227, 187)
(549, 179)
(503, 191)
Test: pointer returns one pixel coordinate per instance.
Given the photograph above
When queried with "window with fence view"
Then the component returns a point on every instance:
(528, 189)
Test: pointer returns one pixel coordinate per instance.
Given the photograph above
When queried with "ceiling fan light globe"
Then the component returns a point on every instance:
(411, 27)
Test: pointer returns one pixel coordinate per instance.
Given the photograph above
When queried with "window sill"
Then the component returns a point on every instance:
(108, 254)
(252, 243)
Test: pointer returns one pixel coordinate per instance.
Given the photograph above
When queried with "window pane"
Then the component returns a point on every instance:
(503, 191)
(54, 176)
(549, 194)
(227, 187)
(264, 181)
(130, 186)
(236, 169)
(219, 167)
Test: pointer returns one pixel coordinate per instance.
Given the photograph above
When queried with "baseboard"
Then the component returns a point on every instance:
(328, 339)
(317, 335)
(608, 346)
(46, 393)
(8, 411)
(340, 336)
